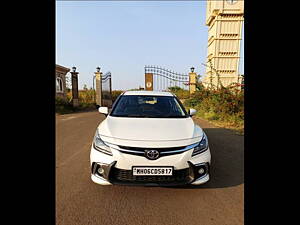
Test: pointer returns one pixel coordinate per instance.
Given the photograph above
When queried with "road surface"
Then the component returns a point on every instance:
(80, 201)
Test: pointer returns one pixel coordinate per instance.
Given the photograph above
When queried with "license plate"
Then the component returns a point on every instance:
(152, 171)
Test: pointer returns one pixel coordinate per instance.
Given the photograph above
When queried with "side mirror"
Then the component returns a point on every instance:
(192, 112)
(103, 110)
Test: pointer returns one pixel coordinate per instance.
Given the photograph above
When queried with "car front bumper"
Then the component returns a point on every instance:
(117, 168)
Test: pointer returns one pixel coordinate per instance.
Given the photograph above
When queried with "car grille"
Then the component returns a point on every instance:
(119, 176)
(162, 151)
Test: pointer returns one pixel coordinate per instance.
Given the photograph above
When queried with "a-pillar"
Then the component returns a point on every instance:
(75, 97)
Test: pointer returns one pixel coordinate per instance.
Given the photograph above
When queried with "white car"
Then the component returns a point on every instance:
(149, 139)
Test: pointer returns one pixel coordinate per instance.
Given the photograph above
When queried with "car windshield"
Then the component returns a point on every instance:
(148, 106)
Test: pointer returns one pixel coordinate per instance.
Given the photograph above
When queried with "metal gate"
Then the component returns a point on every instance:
(106, 95)
(160, 79)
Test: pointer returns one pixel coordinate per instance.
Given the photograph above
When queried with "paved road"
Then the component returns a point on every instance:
(80, 201)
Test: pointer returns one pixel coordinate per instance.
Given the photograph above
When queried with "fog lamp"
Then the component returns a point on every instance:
(100, 170)
(201, 171)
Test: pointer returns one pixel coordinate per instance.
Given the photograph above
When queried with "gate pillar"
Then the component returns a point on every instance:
(192, 81)
(149, 81)
(98, 77)
(75, 98)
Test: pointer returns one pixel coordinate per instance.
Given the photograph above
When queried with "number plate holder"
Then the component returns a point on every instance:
(152, 170)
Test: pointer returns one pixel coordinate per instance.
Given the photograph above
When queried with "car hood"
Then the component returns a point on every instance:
(142, 132)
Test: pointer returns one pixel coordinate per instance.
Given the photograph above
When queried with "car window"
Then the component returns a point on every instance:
(148, 106)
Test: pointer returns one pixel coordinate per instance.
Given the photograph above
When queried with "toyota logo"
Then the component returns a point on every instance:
(152, 154)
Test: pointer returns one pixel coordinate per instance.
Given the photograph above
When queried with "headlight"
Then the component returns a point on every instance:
(202, 146)
(100, 145)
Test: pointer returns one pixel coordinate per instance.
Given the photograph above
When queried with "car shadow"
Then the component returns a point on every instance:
(227, 162)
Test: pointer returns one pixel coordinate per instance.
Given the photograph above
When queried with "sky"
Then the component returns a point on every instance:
(124, 36)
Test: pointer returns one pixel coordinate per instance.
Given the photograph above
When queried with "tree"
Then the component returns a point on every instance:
(68, 83)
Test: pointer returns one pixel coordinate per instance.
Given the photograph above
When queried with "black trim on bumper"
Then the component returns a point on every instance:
(119, 176)
(180, 177)
(106, 167)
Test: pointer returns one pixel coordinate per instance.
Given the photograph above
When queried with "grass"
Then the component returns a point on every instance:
(86, 103)
(230, 122)
(64, 106)
(223, 107)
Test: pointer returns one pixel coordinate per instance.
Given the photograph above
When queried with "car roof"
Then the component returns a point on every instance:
(155, 93)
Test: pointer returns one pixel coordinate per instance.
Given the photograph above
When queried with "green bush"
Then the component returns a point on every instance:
(223, 105)
(115, 94)
(63, 106)
(179, 92)
(86, 96)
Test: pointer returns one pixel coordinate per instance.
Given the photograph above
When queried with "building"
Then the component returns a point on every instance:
(225, 20)
(60, 80)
